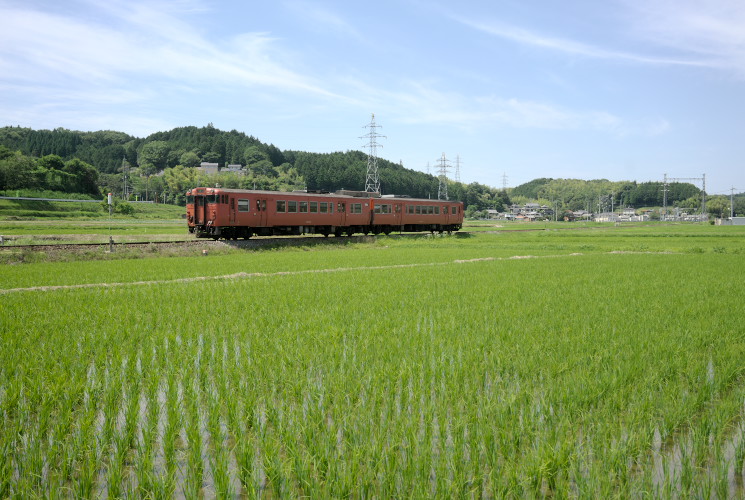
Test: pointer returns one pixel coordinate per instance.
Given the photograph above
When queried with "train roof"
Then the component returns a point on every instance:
(339, 194)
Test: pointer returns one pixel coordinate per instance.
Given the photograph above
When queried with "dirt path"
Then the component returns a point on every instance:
(243, 275)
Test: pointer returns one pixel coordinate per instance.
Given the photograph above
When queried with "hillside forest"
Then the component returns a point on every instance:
(162, 167)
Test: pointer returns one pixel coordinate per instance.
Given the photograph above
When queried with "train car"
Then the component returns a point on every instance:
(236, 213)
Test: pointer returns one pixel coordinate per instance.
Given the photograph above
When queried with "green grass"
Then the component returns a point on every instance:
(411, 370)
(27, 210)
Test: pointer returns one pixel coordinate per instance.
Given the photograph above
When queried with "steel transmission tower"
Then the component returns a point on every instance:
(457, 168)
(372, 181)
(442, 191)
(666, 182)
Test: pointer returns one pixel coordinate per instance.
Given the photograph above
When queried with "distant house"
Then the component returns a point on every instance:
(529, 212)
(582, 215)
(607, 217)
(235, 168)
(208, 168)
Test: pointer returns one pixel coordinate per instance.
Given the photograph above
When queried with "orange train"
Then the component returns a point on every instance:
(237, 213)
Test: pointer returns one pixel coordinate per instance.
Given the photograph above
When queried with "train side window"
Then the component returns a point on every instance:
(445, 210)
(455, 210)
(243, 205)
(430, 210)
(355, 208)
(437, 209)
(324, 207)
(304, 207)
(280, 206)
(292, 207)
(418, 209)
(314, 207)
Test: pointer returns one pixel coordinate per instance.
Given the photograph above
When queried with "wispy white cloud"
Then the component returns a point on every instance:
(532, 38)
(422, 103)
(713, 30)
(319, 18)
(137, 39)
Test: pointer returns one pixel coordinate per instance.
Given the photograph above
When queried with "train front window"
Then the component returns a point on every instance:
(189, 200)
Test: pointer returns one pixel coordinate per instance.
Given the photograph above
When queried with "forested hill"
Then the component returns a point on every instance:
(111, 152)
(582, 194)
(160, 167)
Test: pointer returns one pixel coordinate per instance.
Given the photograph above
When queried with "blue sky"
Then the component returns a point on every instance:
(620, 89)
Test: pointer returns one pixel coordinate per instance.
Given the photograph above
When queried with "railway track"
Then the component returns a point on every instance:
(254, 242)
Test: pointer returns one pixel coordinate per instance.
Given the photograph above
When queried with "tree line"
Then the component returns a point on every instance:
(161, 167)
(597, 195)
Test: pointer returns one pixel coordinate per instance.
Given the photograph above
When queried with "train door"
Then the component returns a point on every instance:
(261, 204)
(341, 209)
(398, 210)
(232, 211)
(200, 210)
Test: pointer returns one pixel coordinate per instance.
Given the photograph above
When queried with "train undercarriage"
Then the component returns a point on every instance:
(242, 232)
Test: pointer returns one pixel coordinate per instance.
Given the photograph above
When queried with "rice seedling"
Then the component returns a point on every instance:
(562, 376)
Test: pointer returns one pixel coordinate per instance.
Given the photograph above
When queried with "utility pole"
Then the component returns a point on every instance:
(731, 203)
(372, 181)
(703, 194)
(125, 171)
(442, 191)
(664, 197)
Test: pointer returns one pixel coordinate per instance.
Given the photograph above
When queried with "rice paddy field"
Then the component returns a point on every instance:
(596, 362)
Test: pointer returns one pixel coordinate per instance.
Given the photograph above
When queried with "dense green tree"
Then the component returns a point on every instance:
(153, 157)
(17, 171)
(189, 159)
(85, 177)
(51, 162)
